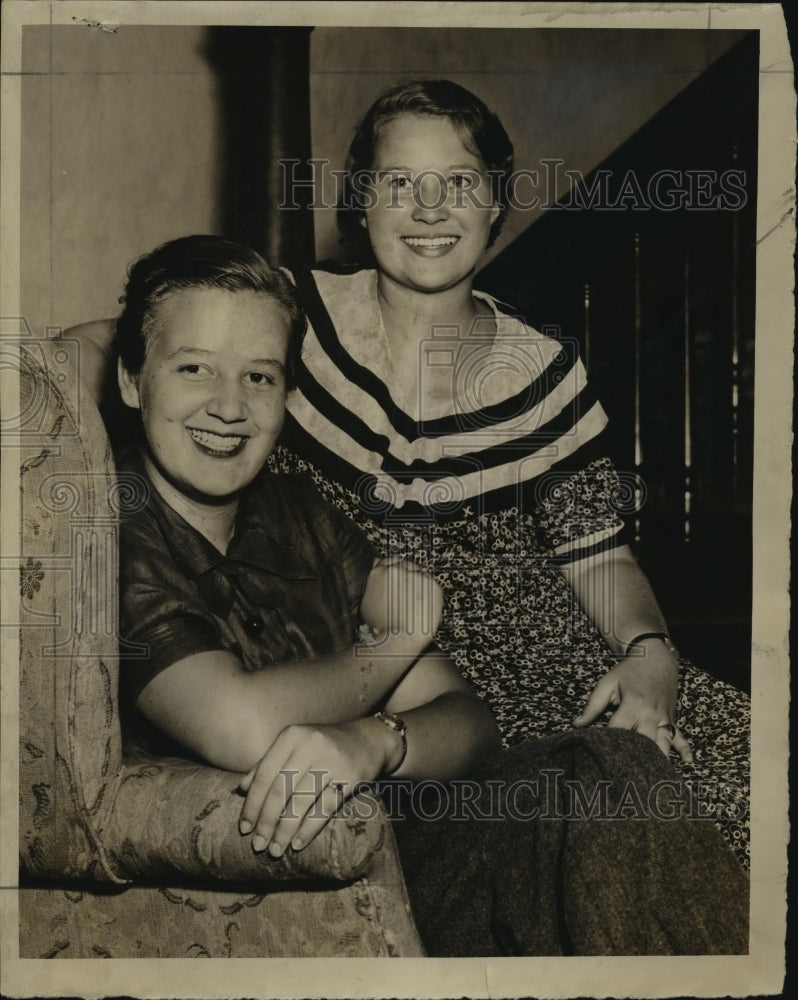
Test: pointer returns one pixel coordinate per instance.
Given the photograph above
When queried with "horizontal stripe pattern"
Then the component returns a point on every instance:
(522, 407)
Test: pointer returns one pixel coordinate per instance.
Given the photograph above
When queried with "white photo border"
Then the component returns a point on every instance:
(760, 972)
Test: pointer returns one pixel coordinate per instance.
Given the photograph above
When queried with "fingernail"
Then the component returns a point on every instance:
(258, 843)
(275, 849)
(245, 826)
(297, 844)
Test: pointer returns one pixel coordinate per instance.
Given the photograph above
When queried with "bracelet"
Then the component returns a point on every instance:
(399, 726)
(663, 636)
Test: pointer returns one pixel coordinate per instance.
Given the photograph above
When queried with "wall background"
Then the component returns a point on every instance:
(119, 152)
(121, 131)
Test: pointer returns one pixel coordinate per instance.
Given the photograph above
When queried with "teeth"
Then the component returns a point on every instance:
(430, 242)
(217, 442)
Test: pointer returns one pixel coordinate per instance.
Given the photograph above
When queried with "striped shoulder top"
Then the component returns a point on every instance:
(515, 427)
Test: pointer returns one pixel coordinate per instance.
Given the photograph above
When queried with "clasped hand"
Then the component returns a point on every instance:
(303, 780)
(644, 692)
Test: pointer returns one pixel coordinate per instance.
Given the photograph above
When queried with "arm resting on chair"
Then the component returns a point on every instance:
(176, 817)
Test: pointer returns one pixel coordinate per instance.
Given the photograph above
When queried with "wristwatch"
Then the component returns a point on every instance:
(399, 726)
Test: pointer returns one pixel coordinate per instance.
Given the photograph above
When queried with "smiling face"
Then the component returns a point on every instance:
(212, 389)
(433, 212)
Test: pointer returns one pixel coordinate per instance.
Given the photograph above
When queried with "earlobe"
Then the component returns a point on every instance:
(363, 222)
(128, 386)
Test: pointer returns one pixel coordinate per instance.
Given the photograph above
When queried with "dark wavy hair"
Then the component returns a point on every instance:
(481, 131)
(199, 262)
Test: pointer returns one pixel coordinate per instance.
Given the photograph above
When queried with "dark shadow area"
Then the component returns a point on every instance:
(650, 266)
(265, 98)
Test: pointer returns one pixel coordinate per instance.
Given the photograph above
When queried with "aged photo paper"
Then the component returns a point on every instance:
(654, 156)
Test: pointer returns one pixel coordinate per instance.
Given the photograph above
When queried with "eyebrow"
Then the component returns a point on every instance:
(188, 350)
(452, 166)
(273, 362)
(269, 361)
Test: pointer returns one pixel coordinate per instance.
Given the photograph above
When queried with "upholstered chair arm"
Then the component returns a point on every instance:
(174, 818)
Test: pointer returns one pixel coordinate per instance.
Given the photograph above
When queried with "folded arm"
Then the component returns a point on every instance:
(305, 731)
(450, 730)
(304, 777)
(227, 715)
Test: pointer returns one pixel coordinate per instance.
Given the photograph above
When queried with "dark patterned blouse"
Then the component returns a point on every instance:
(288, 588)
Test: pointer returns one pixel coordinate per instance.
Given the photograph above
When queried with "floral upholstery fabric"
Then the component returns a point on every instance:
(368, 918)
(92, 817)
(70, 749)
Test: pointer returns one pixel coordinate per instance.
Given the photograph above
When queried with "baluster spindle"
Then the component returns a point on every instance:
(688, 441)
(735, 334)
(637, 396)
(586, 300)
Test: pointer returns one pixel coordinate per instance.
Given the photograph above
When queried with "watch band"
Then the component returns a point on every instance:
(399, 726)
(663, 636)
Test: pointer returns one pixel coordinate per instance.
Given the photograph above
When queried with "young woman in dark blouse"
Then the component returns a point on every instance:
(247, 595)
(274, 645)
